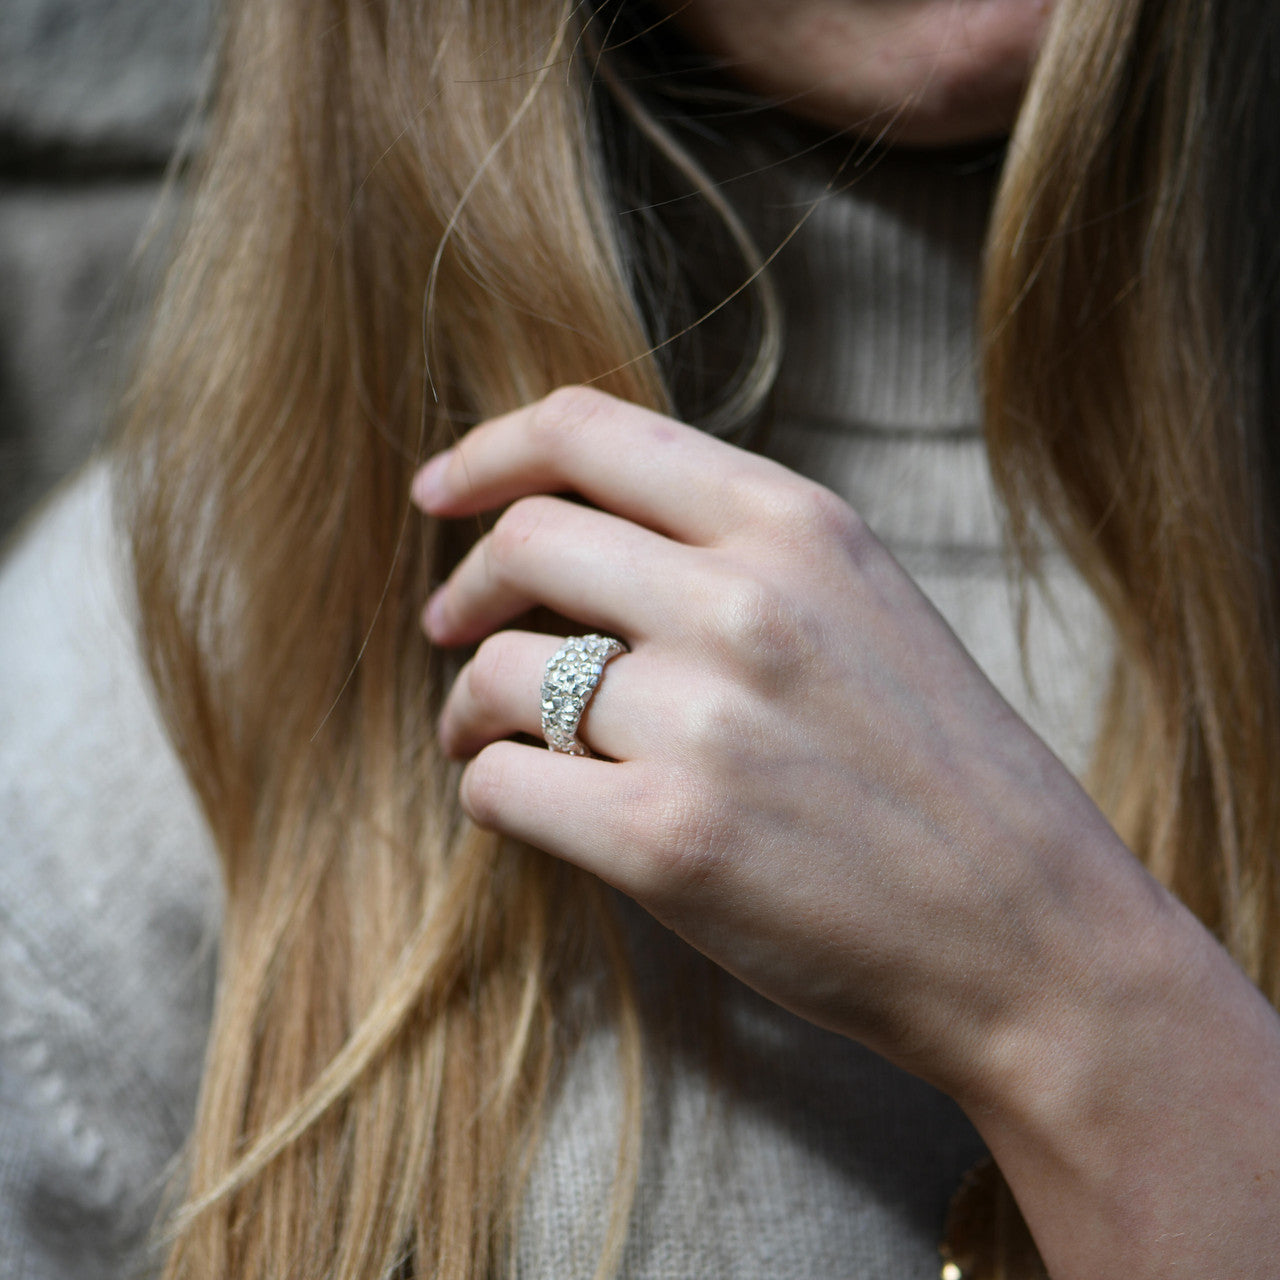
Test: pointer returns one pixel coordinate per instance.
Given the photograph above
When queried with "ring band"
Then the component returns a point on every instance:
(568, 682)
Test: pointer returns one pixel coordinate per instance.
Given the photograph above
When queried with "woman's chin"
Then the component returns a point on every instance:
(919, 72)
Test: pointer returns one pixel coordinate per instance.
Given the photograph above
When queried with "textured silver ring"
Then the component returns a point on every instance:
(568, 682)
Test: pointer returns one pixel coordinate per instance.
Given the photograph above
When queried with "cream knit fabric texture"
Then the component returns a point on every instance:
(773, 1149)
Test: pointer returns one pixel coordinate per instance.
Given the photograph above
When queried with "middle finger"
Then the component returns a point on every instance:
(587, 565)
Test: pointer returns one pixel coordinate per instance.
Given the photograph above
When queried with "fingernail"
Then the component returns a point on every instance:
(428, 487)
(433, 613)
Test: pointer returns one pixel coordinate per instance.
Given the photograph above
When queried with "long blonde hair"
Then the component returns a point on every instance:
(1126, 303)
(403, 223)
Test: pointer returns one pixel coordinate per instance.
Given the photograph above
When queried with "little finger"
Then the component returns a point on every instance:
(594, 813)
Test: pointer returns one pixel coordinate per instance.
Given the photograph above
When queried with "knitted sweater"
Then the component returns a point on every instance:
(772, 1148)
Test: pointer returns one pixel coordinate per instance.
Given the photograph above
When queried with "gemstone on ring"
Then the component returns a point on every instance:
(568, 682)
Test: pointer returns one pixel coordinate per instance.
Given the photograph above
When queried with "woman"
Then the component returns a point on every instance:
(804, 775)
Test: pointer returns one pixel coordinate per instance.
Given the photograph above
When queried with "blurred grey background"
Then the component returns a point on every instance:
(94, 97)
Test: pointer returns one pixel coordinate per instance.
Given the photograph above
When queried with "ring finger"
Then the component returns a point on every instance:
(498, 694)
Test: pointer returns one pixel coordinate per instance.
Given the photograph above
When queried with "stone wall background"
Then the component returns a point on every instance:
(95, 96)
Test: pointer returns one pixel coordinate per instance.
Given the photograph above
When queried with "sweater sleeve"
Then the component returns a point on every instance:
(108, 911)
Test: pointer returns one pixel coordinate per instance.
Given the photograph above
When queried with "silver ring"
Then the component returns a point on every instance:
(568, 682)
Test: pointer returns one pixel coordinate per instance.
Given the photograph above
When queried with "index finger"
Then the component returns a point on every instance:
(638, 464)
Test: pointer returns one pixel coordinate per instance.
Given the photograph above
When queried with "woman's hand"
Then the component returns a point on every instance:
(811, 781)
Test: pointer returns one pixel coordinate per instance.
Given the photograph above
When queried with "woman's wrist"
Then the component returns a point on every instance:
(1107, 943)
(1135, 1108)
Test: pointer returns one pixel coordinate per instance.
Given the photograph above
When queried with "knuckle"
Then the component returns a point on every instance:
(750, 619)
(806, 515)
(516, 527)
(566, 412)
(859, 545)
(487, 669)
(716, 718)
(686, 839)
(836, 524)
(483, 785)
(762, 635)
(829, 515)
